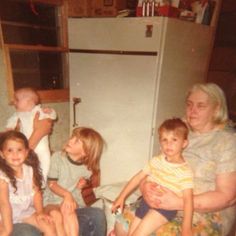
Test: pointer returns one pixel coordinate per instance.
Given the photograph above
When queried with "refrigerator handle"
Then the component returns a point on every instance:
(75, 102)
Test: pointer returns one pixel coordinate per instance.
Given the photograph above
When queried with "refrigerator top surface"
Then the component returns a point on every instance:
(127, 34)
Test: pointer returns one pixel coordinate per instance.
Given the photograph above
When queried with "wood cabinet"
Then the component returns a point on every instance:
(34, 39)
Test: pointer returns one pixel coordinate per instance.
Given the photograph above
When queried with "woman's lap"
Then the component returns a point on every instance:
(209, 225)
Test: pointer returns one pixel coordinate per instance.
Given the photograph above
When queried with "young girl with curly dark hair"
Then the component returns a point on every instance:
(21, 186)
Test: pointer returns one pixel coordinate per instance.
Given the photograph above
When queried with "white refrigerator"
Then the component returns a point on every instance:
(128, 75)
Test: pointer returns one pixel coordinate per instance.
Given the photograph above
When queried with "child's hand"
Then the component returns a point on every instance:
(69, 204)
(82, 183)
(117, 204)
(44, 217)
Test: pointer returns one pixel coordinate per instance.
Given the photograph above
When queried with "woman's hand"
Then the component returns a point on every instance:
(41, 128)
(47, 110)
(168, 200)
(160, 197)
(69, 204)
(150, 193)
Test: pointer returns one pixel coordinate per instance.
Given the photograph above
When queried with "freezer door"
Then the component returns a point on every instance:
(117, 98)
(125, 34)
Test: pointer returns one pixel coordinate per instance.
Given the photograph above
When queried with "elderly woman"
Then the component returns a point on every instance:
(212, 155)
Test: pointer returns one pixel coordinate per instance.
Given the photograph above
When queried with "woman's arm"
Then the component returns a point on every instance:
(151, 193)
(224, 196)
(5, 209)
(41, 128)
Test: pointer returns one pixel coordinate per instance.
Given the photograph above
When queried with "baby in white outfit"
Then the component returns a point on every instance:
(26, 102)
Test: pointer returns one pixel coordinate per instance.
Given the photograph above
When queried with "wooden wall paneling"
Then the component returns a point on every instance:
(226, 31)
(223, 59)
(228, 6)
(54, 2)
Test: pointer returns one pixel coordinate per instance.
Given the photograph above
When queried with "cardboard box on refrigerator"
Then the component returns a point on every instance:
(79, 8)
(106, 8)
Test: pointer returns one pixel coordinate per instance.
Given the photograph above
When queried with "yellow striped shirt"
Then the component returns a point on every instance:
(174, 176)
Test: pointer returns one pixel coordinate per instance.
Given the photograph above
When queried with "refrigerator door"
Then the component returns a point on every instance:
(124, 34)
(117, 97)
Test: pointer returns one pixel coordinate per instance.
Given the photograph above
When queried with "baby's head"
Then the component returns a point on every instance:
(25, 99)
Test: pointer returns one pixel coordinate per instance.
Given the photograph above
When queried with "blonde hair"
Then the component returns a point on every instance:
(29, 93)
(176, 125)
(217, 98)
(93, 144)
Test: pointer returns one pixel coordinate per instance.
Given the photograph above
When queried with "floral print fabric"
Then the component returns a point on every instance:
(209, 224)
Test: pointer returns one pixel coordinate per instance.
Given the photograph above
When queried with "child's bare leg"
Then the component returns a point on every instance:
(150, 223)
(136, 221)
(55, 213)
(4, 230)
(71, 224)
(58, 220)
(47, 228)
(66, 224)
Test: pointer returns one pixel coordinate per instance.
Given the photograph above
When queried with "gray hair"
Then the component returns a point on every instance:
(217, 97)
